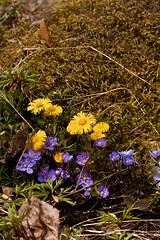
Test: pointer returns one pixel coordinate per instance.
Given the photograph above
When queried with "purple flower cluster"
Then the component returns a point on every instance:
(50, 142)
(82, 159)
(103, 191)
(127, 157)
(30, 159)
(157, 177)
(85, 180)
(45, 174)
(100, 142)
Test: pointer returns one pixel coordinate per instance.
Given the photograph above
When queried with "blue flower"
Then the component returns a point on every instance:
(25, 165)
(130, 152)
(100, 142)
(51, 175)
(128, 160)
(87, 192)
(66, 157)
(32, 156)
(114, 156)
(42, 175)
(82, 159)
(103, 191)
(85, 179)
(65, 174)
(61, 173)
(157, 177)
(155, 153)
(50, 142)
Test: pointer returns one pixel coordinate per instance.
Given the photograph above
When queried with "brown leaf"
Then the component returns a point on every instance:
(14, 151)
(45, 33)
(42, 222)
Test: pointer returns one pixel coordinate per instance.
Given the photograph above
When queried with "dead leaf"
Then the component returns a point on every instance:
(42, 222)
(44, 32)
(16, 146)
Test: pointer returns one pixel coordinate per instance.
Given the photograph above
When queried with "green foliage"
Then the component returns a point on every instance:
(12, 79)
(126, 215)
(10, 223)
(121, 236)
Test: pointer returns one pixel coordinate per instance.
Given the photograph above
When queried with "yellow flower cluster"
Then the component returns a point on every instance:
(42, 104)
(38, 140)
(81, 123)
(99, 130)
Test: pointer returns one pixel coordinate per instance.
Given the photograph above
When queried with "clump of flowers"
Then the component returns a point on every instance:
(30, 159)
(38, 105)
(85, 179)
(38, 140)
(46, 175)
(81, 123)
(63, 157)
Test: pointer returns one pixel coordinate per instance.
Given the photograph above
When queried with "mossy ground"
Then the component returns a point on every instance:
(127, 32)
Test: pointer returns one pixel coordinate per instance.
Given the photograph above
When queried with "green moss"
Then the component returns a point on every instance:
(128, 32)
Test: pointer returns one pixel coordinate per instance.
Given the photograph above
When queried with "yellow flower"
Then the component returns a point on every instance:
(38, 105)
(53, 110)
(58, 157)
(101, 127)
(97, 135)
(81, 123)
(38, 140)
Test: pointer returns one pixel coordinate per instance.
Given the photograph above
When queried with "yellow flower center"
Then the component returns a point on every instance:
(82, 121)
(52, 108)
(39, 104)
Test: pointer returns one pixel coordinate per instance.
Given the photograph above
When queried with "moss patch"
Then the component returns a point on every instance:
(126, 31)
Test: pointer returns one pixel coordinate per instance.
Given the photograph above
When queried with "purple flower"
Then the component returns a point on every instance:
(157, 177)
(66, 157)
(101, 142)
(51, 175)
(50, 142)
(135, 164)
(25, 165)
(85, 179)
(43, 173)
(32, 156)
(61, 173)
(103, 191)
(82, 159)
(114, 156)
(65, 174)
(58, 171)
(130, 152)
(128, 160)
(87, 192)
(155, 153)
